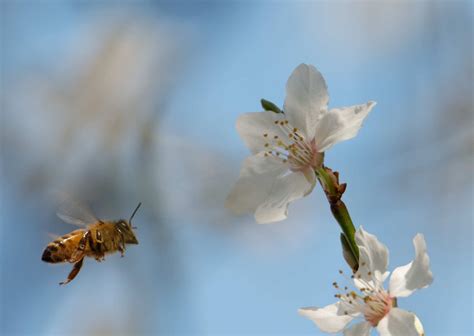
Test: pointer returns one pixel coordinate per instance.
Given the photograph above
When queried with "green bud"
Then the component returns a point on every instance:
(348, 254)
(269, 106)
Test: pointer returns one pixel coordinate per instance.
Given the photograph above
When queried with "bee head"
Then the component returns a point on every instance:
(126, 228)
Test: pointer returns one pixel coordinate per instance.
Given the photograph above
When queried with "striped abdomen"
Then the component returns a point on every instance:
(63, 248)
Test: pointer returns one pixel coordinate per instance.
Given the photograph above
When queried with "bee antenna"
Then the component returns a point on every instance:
(134, 212)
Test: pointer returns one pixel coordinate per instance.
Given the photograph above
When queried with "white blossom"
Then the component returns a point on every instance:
(288, 147)
(369, 300)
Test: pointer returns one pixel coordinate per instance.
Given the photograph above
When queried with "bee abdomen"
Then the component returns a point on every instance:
(57, 251)
(50, 254)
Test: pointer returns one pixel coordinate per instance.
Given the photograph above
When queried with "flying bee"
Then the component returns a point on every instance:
(97, 238)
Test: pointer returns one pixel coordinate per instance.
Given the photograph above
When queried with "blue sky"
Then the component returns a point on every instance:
(243, 278)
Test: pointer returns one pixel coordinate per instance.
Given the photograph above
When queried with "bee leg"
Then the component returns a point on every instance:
(97, 247)
(79, 253)
(100, 257)
(122, 250)
(74, 272)
(100, 242)
(122, 246)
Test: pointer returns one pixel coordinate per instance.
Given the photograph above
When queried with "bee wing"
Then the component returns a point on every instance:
(75, 213)
(72, 220)
(53, 236)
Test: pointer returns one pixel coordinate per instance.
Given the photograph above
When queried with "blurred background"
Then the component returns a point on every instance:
(120, 102)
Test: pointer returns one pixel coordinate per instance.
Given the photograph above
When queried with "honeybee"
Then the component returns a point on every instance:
(97, 238)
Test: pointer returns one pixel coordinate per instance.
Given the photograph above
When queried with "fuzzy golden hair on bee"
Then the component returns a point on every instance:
(95, 239)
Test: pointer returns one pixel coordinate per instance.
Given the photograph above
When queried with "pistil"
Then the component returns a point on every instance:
(372, 301)
(294, 148)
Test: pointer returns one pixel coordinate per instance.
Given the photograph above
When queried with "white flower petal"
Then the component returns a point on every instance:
(252, 126)
(359, 329)
(328, 319)
(373, 255)
(419, 327)
(285, 189)
(257, 176)
(415, 275)
(306, 99)
(310, 176)
(346, 308)
(399, 322)
(340, 124)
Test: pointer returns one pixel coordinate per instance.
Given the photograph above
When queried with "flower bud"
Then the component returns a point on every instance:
(269, 106)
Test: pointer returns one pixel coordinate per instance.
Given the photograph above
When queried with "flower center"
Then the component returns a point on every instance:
(292, 148)
(372, 301)
(377, 305)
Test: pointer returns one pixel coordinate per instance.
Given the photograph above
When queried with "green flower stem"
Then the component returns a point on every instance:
(334, 191)
(326, 181)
